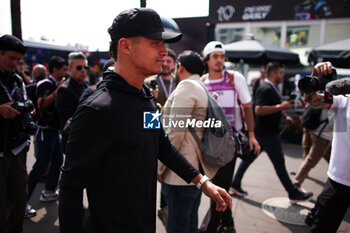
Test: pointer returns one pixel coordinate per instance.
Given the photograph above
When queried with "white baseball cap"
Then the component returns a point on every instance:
(213, 46)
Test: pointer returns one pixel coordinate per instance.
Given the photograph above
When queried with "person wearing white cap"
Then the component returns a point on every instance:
(234, 97)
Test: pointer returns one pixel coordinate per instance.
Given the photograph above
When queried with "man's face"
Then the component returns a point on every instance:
(147, 55)
(62, 72)
(279, 75)
(168, 64)
(78, 70)
(9, 60)
(263, 73)
(216, 61)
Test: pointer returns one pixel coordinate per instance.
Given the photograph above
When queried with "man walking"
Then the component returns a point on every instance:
(232, 91)
(115, 158)
(269, 109)
(48, 143)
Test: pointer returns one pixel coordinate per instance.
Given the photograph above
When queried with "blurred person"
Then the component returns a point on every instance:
(234, 97)
(165, 85)
(166, 82)
(268, 110)
(258, 81)
(47, 139)
(316, 144)
(14, 140)
(39, 72)
(21, 70)
(69, 93)
(333, 202)
(188, 99)
(115, 158)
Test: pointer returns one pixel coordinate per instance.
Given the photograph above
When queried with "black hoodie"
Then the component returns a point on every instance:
(115, 159)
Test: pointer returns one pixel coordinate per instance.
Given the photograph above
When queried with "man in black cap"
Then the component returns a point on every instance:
(118, 167)
(14, 140)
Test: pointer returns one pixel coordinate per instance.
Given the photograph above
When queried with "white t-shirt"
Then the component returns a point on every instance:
(227, 97)
(339, 165)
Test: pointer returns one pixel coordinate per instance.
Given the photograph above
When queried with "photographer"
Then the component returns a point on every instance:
(14, 138)
(333, 202)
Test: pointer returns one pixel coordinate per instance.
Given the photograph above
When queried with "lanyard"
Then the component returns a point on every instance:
(274, 87)
(9, 95)
(167, 93)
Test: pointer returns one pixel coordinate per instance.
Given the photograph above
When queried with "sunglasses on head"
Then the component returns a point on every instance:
(81, 67)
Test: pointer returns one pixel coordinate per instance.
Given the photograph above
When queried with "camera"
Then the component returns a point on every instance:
(293, 96)
(153, 84)
(310, 84)
(26, 107)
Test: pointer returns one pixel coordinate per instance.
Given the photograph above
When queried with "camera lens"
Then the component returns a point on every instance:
(309, 84)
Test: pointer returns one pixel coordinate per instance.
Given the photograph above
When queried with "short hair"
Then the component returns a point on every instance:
(113, 46)
(192, 62)
(172, 54)
(272, 67)
(113, 49)
(56, 62)
(75, 55)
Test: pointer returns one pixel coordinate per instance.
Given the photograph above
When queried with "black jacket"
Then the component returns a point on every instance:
(67, 99)
(12, 133)
(115, 159)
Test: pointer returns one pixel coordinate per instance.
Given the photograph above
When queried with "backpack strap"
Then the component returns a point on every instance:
(231, 77)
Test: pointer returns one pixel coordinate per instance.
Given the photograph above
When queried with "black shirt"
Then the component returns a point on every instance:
(47, 117)
(267, 95)
(12, 133)
(67, 99)
(115, 159)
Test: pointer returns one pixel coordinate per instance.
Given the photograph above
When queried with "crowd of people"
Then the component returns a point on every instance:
(110, 153)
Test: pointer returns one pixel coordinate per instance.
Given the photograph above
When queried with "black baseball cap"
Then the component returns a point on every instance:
(141, 22)
(11, 43)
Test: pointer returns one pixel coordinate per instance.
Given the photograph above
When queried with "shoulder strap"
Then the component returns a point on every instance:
(231, 76)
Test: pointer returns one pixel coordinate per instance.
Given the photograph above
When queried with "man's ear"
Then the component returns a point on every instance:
(124, 45)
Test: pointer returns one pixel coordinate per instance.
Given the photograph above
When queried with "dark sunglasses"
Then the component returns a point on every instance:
(81, 67)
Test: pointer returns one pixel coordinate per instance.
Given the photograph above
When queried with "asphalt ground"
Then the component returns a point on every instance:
(260, 181)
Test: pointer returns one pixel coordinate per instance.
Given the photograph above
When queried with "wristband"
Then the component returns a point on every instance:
(199, 184)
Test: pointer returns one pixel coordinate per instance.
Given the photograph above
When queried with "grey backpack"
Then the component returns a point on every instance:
(217, 145)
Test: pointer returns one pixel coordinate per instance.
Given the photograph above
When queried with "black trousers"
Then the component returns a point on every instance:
(331, 207)
(13, 191)
(214, 219)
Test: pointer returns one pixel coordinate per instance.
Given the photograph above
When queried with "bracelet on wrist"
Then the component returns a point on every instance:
(202, 180)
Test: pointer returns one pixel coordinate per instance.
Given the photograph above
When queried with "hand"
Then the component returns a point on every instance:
(254, 144)
(155, 92)
(286, 104)
(61, 82)
(289, 120)
(215, 95)
(160, 178)
(217, 194)
(322, 69)
(7, 112)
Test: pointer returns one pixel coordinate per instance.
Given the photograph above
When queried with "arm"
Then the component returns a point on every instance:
(175, 161)
(44, 103)
(268, 110)
(248, 112)
(82, 162)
